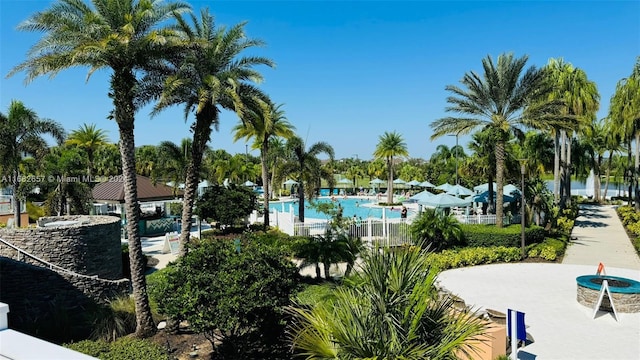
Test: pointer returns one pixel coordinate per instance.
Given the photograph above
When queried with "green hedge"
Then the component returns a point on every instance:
(549, 249)
(449, 259)
(509, 236)
(123, 348)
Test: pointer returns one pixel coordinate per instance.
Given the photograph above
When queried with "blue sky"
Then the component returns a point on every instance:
(349, 71)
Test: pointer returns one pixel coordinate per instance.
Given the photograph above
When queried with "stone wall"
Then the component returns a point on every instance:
(624, 303)
(42, 299)
(88, 245)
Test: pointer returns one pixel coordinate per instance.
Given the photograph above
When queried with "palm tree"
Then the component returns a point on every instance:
(173, 160)
(624, 111)
(389, 310)
(504, 99)
(147, 161)
(263, 123)
(390, 145)
(89, 139)
(207, 74)
(22, 133)
(108, 161)
(127, 37)
(353, 173)
(304, 165)
(580, 100)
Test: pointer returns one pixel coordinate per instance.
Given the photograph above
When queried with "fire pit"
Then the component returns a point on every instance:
(625, 292)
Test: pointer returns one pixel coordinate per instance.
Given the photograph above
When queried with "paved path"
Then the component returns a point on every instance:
(600, 237)
(561, 328)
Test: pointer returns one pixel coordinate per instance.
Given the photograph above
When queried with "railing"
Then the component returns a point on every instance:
(47, 264)
(480, 219)
(389, 232)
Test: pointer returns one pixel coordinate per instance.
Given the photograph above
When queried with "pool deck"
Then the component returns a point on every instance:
(561, 328)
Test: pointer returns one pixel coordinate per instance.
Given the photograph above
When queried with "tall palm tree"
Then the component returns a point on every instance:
(108, 161)
(389, 310)
(624, 111)
(580, 100)
(303, 164)
(390, 145)
(126, 37)
(503, 99)
(22, 133)
(264, 121)
(207, 74)
(89, 139)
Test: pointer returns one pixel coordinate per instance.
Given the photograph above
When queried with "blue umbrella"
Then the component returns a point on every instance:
(444, 201)
(484, 198)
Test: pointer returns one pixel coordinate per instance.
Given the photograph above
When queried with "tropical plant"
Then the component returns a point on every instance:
(108, 161)
(127, 37)
(22, 133)
(226, 205)
(580, 101)
(504, 99)
(303, 165)
(228, 290)
(624, 112)
(89, 139)
(172, 162)
(436, 230)
(390, 145)
(69, 194)
(147, 161)
(389, 310)
(207, 73)
(263, 121)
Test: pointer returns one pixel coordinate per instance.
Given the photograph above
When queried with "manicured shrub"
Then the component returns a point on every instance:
(565, 224)
(450, 259)
(510, 236)
(230, 293)
(124, 348)
(549, 249)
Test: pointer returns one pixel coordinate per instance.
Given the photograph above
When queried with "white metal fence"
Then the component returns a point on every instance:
(389, 232)
(480, 219)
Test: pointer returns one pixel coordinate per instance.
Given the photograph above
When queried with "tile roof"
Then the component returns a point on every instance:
(113, 190)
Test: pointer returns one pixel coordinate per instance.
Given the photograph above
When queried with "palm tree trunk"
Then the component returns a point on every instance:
(596, 179)
(556, 167)
(568, 171)
(608, 173)
(326, 266)
(265, 182)
(190, 187)
(635, 172)
(628, 175)
(123, 83)
(16, 202)
(390, 181)
(300, 200)
(491, 209)
(500, 183)
(563, 167)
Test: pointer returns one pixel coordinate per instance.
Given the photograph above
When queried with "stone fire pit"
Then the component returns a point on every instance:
(625, 292)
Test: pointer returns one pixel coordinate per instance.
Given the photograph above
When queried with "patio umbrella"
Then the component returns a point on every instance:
(413, 183)
(445, 187)
(344, 181)
(427, 184)
(484, 197)
(444, 201)
(423, 195)
(484, 187)
(248, 183)
(290, 182)
(399, 181)
(459, 190)
(511, 189)
(377, 181)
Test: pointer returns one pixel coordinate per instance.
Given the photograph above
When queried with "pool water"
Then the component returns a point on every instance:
(350, 206)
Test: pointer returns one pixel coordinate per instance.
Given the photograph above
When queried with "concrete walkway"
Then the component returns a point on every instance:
(561, 328)
(600, 238)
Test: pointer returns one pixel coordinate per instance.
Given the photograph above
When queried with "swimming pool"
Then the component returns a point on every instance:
(350, 206)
